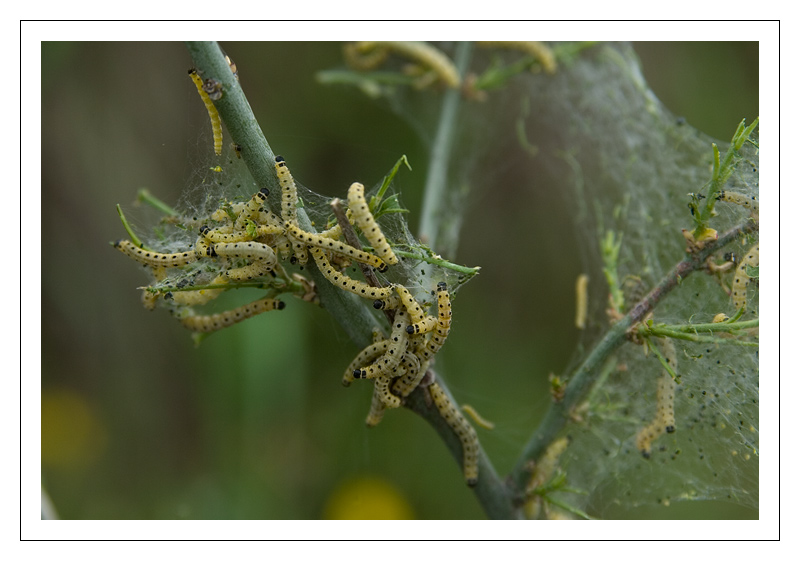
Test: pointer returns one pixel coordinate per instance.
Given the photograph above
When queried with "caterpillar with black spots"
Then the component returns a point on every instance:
(664, 420)
(741, 279)
(153, 258)
(309, 239)
(747, 201)
(215, 322)
(462, 428)
(386, 296)
(411, 305)
(357, 203)
(251, 209)
(386, 363)
(262, 255)
(216, 124)
(442, 329)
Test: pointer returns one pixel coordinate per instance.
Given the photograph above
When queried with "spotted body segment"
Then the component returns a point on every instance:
(456, 421)
(741, 279)
(664, 420)
(289, 206)
(216, 124)
(215, 322)
(251, 209)
(153, 258)
(442, 329)
(427, 324)
(357, 203)
(341, 280)
(367, 355)
(414, 372)
(410, 303)
(747, 201)
(388, 362)
(315, 240)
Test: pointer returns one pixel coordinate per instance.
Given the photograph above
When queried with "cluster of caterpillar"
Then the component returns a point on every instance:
(244, 240)
(398, 364)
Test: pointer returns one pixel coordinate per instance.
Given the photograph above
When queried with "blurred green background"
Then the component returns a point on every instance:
(137, 423)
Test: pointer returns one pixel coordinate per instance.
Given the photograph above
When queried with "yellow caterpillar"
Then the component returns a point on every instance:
(216, 124)
(215, 322)
(462, 428)
(357, 203)
(741, 279)
(154, 259)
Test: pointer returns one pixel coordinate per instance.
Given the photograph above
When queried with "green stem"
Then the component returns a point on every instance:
(144, 196)
(700, 338)
(436, 182)
(434, 260)
(584, 377)
(700, 327)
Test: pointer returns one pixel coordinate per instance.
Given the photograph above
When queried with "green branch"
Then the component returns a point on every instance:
(436, 182)
(587, 373)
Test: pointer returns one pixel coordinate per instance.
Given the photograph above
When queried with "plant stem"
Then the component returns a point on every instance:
(582, 379)
(436, 182)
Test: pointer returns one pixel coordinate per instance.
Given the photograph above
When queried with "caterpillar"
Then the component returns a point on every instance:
(411, 305)
(423, 326)
(421, 52)
(382, 383)
(215, 322)
(665, 404)
(414, 372)
(216, 124)
(376, 409)
(217, 235)
(262, 254)
(246, 250)
(368, 354)
(741, 279)
(154, 259)
(289, 207)
(536, 49)
(443, 322)
(543, 471)
(388, 362)
(361, 214)
(480, 421)
(296, 234)
(386, 295)
(462, 428)
(288, 191)
(251, 209)
(748, 202)
(581, 300)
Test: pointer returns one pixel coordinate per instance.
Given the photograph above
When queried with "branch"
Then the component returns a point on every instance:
(349, 311)
(582, 379)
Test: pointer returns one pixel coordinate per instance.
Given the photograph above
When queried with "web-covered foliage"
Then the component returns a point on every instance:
(629, 170)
